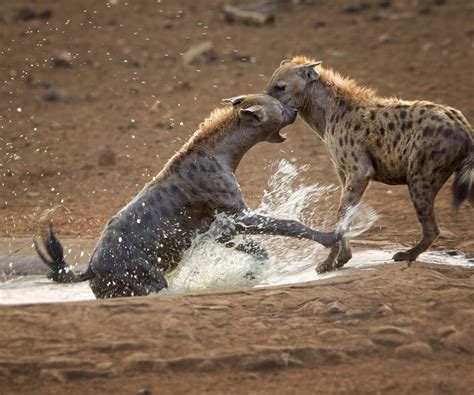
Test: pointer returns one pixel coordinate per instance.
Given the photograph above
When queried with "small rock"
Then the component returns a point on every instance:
(414, 350)
(32, 195)
(426, 47)
(355, 8)
(107, 157)
(144, 391)
(384, 3)
(3, 205)
(269, 362)
(385, 39)
(52, 375)
(384, 311)
(155, 106)
(446, 330)
(319, 24)
(28, 14)
(202, 53)
(332, 333)
(425, 10)
(388, 335)
(55, 95)
(461, 341)
(247, 15)
(390, 329)
(389, 340)
(241, 57)
(62, 59)
(335, 308)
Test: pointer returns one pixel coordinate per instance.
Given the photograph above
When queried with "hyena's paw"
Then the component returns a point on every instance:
(404, 256)
(343, 258)
(327, 266)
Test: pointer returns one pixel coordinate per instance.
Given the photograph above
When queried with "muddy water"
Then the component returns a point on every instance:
(209, 266)
(38, 289)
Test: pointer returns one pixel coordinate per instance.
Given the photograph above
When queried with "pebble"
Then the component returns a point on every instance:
(461, 341)
(144, 391)
(384, 311)
(389, 335)
(28, 14)
(391, 329)
(319, 24)
(414, 350)
(332, 333)
(55, 95)
(202, 53)
(446, 330)
(32, 195)
(335, 308)
(107, 157)
(355, 8)
(385, 39)
(384, 3)
(3, 205)
(389, 340)
(62, 59)
(155, 107)
(242, 57)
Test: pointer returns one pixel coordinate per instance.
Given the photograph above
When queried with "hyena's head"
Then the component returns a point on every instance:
(263, 116)
(291, 81)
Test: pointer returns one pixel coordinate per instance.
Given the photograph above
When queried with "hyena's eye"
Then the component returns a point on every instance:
(281, 86)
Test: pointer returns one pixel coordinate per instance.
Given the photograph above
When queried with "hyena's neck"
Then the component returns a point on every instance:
(318, 104)
(323, 106)
(230, 147)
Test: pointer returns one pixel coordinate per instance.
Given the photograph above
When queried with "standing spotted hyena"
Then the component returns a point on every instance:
(148, 237)
(393, 141)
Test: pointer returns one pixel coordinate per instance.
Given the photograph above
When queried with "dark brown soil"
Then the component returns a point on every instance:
(81, 159)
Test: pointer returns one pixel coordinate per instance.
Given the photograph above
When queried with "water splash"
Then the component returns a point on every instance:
(208, 265)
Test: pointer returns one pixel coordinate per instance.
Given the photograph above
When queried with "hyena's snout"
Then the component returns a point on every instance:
(289, 114)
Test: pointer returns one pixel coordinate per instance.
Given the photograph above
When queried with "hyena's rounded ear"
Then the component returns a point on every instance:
(251, 114)
(284, 61)
(234, 100)
(309, 72)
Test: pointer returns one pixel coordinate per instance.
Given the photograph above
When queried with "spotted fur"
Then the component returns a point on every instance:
(368, 137)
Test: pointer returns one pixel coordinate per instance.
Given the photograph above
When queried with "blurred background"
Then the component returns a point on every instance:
(97, 95)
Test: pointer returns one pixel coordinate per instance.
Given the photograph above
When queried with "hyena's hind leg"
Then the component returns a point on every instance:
(423, 193)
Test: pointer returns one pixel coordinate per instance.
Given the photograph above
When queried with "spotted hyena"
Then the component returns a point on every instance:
(393, 141)
(150, 234)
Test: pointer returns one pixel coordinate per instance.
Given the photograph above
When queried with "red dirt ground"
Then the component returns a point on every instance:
(126, 56)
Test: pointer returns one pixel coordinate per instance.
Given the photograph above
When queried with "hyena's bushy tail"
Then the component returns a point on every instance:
(55, 260)
(463, 185)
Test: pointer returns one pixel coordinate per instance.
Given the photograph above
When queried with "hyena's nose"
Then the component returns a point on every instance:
(291, 112)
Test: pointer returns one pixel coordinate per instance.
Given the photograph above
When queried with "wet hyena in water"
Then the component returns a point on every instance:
(393, 141)
(150, 234)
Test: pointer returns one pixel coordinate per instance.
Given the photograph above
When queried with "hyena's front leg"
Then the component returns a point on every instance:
(249, 223)
(354, 186)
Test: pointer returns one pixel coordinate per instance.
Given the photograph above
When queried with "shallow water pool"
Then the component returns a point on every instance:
(39, 289)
